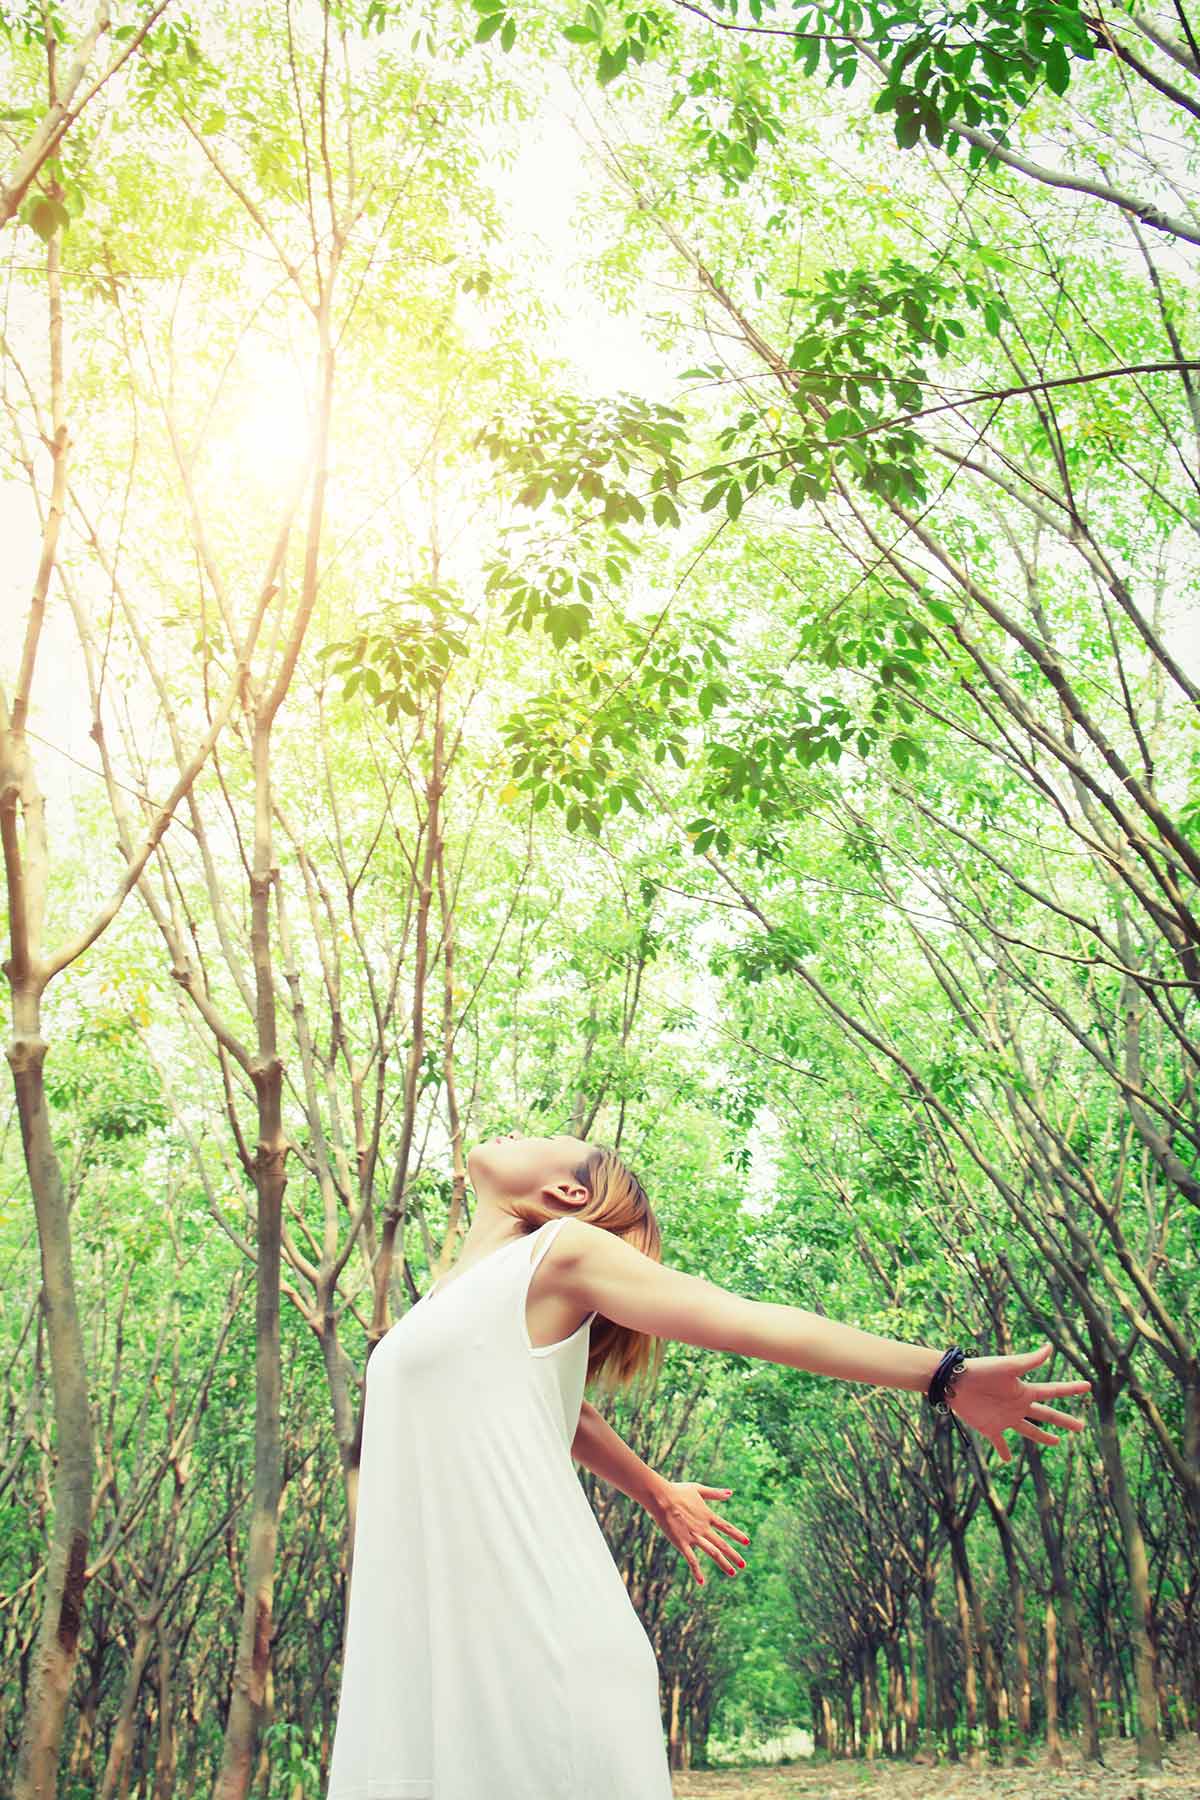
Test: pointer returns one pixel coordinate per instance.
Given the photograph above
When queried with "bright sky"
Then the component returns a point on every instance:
(541, 193)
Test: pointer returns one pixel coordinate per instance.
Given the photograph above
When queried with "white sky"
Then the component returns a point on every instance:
(540, 195)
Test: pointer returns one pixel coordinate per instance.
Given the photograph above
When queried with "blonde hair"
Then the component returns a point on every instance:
(618, 1356)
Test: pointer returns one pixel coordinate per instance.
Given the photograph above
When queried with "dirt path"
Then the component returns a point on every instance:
(1118, 1780)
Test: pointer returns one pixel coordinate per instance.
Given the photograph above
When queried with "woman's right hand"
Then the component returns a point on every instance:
(990, 1395)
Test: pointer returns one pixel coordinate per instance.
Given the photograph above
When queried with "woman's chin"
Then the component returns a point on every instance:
(479, 1163)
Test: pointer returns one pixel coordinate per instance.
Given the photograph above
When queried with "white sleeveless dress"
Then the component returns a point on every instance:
(491, 1649)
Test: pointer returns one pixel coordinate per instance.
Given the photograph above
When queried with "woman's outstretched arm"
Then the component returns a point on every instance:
(599, 1270)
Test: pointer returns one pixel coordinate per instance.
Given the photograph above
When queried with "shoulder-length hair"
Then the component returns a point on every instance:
(618, 1356)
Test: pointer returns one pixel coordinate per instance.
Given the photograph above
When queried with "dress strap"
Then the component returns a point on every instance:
(545, 1234)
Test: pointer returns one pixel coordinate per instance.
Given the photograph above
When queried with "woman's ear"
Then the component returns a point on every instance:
(568, 1193)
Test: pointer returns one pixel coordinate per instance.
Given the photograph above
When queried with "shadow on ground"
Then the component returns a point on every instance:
(1117, 1780)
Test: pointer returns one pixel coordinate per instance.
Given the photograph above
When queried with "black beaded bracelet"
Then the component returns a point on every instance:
(945, 1378)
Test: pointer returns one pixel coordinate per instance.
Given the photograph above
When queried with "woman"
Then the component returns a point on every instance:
(492, 1652)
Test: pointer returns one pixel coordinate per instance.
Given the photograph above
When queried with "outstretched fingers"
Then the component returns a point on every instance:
(1028, 1429)
(1054, 1390)
(724, 1559)
(720, 1524)
(1051, 1416)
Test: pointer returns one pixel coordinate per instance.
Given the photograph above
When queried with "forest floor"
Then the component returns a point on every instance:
(1118, 1780)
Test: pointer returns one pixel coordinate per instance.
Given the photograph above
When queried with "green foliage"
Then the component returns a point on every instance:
(584, 746)
(403, 653)
(619, 34)
(603, 452)
(98, 1080)
(978, 65)
(495, 21)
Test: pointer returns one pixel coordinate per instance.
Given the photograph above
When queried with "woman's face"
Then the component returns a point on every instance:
(517, 1166)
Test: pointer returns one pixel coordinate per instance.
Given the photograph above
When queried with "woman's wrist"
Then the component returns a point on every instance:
(946, 1377)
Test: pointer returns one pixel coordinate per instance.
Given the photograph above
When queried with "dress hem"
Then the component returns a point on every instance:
(384, 1790)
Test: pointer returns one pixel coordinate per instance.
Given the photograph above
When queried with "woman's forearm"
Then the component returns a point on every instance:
(602, 1450)
(808, 1340)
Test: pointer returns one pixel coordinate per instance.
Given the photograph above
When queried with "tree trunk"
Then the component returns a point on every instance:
(967, 1633)
(23, 834)
(248, 1698)
(929, 1730)
(122, 1737)
(870, 1692)
(912, 1699)
(674, 1745)
(53, 1663)
(1054, 1753)
(816, 1705)
(1149, 1743)
(1078, 1662)
(166, 1753)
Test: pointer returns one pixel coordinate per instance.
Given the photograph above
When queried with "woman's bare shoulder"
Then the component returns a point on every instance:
(600, 1271)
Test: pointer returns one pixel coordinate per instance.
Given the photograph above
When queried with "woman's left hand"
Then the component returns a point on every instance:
(681, 1510)
(990, 1395)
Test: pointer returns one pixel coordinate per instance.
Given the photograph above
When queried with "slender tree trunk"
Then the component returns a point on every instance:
(393, 1220)
(912, 1700)
(1016, 1591)
(869, 1675)
(56, 1645)
(932, 1676)
(816, 1704)
(248, 1699)
(121, 1742)
(673, 1736)
(849, 1745)
(1078, 1663)
(166, 1753)
(1149, 1742)
(22, 831)
(967, 1633)
(1054, 1752)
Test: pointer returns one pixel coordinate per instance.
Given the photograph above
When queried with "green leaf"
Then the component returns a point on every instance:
(48, 216)
(611, 63)
(1058, 68)
(488, 26)
(908, 129)
(840, 422)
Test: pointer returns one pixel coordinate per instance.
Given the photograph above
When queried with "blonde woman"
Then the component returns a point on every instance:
(491, 1650)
